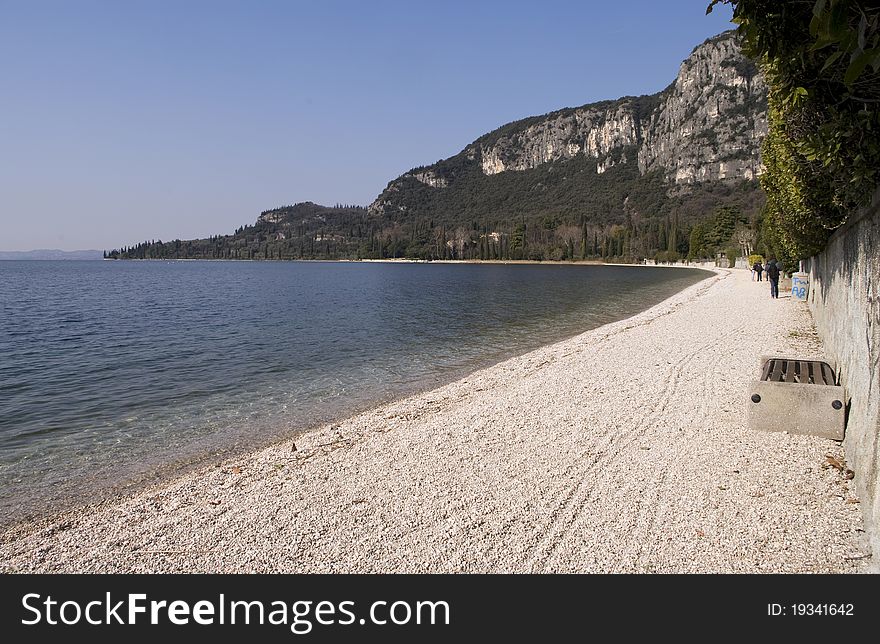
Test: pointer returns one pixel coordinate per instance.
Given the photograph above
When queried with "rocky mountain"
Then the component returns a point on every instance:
(705, 127)
(666, 175)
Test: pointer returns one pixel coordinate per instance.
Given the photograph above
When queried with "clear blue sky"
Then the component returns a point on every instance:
(125, 121)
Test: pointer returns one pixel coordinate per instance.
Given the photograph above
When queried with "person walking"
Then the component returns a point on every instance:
(773, 276)
(758, 268)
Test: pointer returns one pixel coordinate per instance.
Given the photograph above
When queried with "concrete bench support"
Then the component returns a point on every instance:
(798, 396)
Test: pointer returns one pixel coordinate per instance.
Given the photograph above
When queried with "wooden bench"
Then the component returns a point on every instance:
(797, 396)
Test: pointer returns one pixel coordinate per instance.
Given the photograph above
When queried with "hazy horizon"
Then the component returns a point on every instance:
(160, 121)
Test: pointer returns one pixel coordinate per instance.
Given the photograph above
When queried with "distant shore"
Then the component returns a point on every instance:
(404, 260)
(623, 449)
(527, 262)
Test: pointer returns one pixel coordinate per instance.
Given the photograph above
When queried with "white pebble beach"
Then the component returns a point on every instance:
(623, 449)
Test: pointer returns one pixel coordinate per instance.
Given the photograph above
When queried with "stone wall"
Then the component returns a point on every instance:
(845, 300)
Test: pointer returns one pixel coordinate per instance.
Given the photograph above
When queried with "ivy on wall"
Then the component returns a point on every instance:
(822, 153)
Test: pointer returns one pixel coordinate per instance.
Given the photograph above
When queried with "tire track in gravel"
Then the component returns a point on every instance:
(586, 493)
(654, 503)
(573, 506)
(597, 450)
(588, 489)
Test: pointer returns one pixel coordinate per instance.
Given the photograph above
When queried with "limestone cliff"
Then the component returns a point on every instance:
(710, 122)
(706, 126)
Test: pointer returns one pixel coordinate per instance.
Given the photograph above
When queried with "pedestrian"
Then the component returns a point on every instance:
(758, 268)
(773, 275)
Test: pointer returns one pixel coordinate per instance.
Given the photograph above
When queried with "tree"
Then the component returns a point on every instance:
(821, 60)
(721, 227)
(745, 237)
(732, 253)
(698, 243)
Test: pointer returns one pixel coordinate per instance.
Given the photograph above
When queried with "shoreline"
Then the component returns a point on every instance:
(403, 260)
(122, 481)
(458, 467)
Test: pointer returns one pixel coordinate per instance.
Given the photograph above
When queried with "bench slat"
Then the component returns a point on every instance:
(813, 372)
(777, 371)
(827, 374)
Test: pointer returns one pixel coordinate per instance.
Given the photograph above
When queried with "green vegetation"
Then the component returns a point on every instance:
(559, 211)
(732, 253)
(303, 231)
(822, 154)
(717, 234)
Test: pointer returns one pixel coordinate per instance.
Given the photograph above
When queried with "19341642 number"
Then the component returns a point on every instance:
(822, 609)
(811, 609)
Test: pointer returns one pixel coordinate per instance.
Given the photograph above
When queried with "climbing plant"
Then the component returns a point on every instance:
(822, 153)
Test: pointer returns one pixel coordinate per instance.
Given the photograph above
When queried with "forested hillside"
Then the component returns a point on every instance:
(627, 179)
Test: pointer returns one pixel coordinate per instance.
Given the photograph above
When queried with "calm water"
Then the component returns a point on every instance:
(110, 369)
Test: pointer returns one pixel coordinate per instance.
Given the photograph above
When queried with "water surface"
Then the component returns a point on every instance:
(110, 369)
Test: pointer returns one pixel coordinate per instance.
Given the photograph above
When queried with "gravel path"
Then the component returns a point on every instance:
(623, 449)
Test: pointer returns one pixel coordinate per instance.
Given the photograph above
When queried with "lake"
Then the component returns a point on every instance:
(114, 373)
